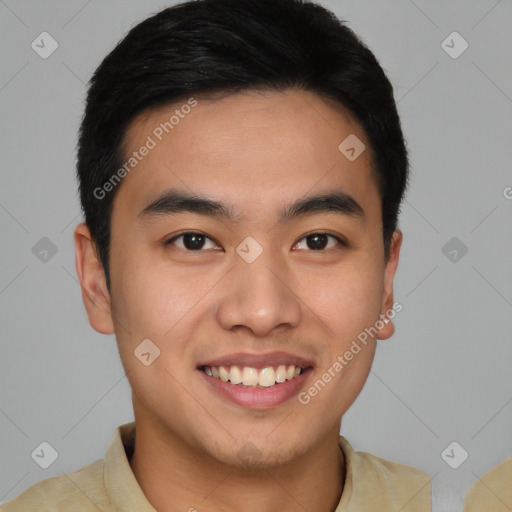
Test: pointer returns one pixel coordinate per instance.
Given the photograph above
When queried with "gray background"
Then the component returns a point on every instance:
(445, 375)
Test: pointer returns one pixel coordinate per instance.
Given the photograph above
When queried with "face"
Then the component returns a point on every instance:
(246, 289)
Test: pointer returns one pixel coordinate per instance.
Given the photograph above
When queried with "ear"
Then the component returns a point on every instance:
(387, 300)
(91, 274)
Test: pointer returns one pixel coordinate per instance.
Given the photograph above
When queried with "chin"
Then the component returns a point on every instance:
(258, 454)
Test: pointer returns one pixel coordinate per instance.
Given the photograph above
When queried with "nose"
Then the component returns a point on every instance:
(259, 296)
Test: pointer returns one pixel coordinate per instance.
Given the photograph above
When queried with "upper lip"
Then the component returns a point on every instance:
(258, 360)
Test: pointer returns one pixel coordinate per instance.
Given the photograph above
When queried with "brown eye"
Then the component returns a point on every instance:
(191, 241)
(320, 241)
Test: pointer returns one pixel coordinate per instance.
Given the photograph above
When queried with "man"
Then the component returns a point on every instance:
(241, 167)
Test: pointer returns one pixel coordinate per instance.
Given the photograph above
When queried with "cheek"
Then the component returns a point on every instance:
(178, 297)
(164, 305)
(155, 310)
(347, 299)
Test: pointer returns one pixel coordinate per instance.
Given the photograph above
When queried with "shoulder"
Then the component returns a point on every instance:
(493, 491)
(373, 481)
(83, 488)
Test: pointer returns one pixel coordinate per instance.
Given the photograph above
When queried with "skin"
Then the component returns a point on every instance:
(256, 152)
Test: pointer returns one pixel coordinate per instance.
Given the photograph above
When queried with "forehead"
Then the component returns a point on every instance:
(255, 148)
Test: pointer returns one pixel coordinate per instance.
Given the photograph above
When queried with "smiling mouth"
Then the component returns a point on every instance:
(247, 376)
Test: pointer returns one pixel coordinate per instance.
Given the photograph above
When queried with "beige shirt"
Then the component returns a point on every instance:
(493, 491)
(372, 485)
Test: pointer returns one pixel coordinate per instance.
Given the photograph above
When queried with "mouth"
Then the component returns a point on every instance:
(256, 381)
(247, 376)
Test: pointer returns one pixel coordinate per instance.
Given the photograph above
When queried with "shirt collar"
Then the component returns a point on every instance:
(120, 482)
(372, 483)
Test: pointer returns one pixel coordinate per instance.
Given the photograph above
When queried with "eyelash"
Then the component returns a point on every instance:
(341, 241)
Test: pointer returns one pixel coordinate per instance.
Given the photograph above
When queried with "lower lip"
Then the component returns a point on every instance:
(258, 398)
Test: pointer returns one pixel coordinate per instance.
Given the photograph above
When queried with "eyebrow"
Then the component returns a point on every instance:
(175, 201)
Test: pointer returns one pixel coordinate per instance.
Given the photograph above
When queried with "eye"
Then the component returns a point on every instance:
(320, 241)
(191, 241)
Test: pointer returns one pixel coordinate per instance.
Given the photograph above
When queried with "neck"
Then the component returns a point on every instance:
(176, 477)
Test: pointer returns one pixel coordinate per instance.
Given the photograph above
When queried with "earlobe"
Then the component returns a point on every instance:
(92, 281)
(387, 302)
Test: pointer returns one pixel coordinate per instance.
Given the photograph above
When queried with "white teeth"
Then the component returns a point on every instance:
(235, 375)
(267, 377)
(281, 373)
(223, 374)
(251, 377)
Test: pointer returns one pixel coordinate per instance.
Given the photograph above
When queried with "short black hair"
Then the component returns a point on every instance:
(215, 46)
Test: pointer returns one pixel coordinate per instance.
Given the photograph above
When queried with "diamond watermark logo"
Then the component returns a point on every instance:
(44, 45)
(249, 454)
(454, 455)
(454, 249)
(146, 352)
(249, 250)
(44, 455)
(454, 45)
(44, 250)
(351, 147)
